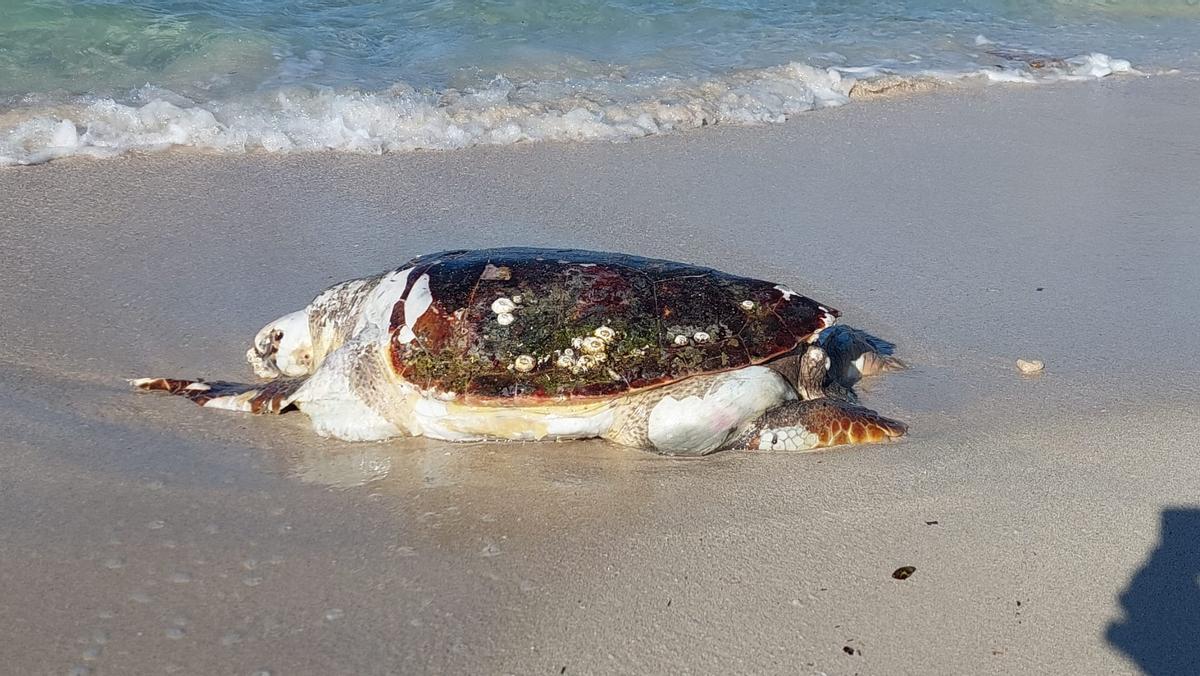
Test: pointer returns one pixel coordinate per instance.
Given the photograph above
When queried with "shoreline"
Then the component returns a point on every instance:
(403, 121)
(971, 227)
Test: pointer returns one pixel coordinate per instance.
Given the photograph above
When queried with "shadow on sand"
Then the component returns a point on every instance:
(1161, 628)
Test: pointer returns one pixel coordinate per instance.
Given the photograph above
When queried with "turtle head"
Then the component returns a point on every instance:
(283, 347)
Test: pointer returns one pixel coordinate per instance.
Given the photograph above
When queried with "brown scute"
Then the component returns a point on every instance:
(568, 294)
(397, 318)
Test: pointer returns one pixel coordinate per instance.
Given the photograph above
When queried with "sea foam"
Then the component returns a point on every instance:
(297, 119)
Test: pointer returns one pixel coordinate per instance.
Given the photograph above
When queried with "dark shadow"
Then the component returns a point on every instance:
(1161, 628)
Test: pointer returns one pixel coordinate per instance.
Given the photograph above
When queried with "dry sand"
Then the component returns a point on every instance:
(143, 535)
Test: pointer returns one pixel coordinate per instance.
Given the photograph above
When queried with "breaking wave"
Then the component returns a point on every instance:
(402, 118)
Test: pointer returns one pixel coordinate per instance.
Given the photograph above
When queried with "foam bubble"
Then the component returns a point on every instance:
(1096, 65)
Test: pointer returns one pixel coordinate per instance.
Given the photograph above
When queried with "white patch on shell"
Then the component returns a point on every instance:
(415, 304)
(503, 306)
(796, 438)
(701, 424)
(198, 387)
(377, 310)
(827, 320)
(505, 318)
(787, 293)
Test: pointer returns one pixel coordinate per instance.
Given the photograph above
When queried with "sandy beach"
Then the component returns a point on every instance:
(1053, 521)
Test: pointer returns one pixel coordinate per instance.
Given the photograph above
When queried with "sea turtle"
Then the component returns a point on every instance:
(528, 344)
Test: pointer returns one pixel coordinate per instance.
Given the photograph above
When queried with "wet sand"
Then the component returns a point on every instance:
(141, 534)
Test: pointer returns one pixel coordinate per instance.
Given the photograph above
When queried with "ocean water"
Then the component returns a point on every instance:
(104, 77)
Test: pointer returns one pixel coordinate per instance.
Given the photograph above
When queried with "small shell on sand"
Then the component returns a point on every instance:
(1030, 366)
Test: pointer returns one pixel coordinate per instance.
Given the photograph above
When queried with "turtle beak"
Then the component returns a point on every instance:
(283, 347)
(261, 354)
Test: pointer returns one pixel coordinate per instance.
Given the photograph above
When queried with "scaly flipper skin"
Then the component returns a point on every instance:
(817, 423)
(270, 397)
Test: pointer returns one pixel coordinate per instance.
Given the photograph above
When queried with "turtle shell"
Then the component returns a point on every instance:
(521, 325)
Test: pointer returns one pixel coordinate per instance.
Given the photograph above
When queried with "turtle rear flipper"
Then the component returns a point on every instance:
(271, 397)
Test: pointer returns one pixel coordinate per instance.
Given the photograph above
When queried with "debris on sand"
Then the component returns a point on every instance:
(1030, 366)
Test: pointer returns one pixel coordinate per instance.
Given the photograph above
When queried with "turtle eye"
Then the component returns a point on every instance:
(273, 346)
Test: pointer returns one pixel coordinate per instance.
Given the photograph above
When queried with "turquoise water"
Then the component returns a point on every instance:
(277, 74)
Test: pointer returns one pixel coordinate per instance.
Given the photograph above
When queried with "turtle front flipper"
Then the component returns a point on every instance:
(814, 424)
(272, 397)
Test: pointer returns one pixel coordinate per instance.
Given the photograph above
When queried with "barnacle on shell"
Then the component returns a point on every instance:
(592, 345)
